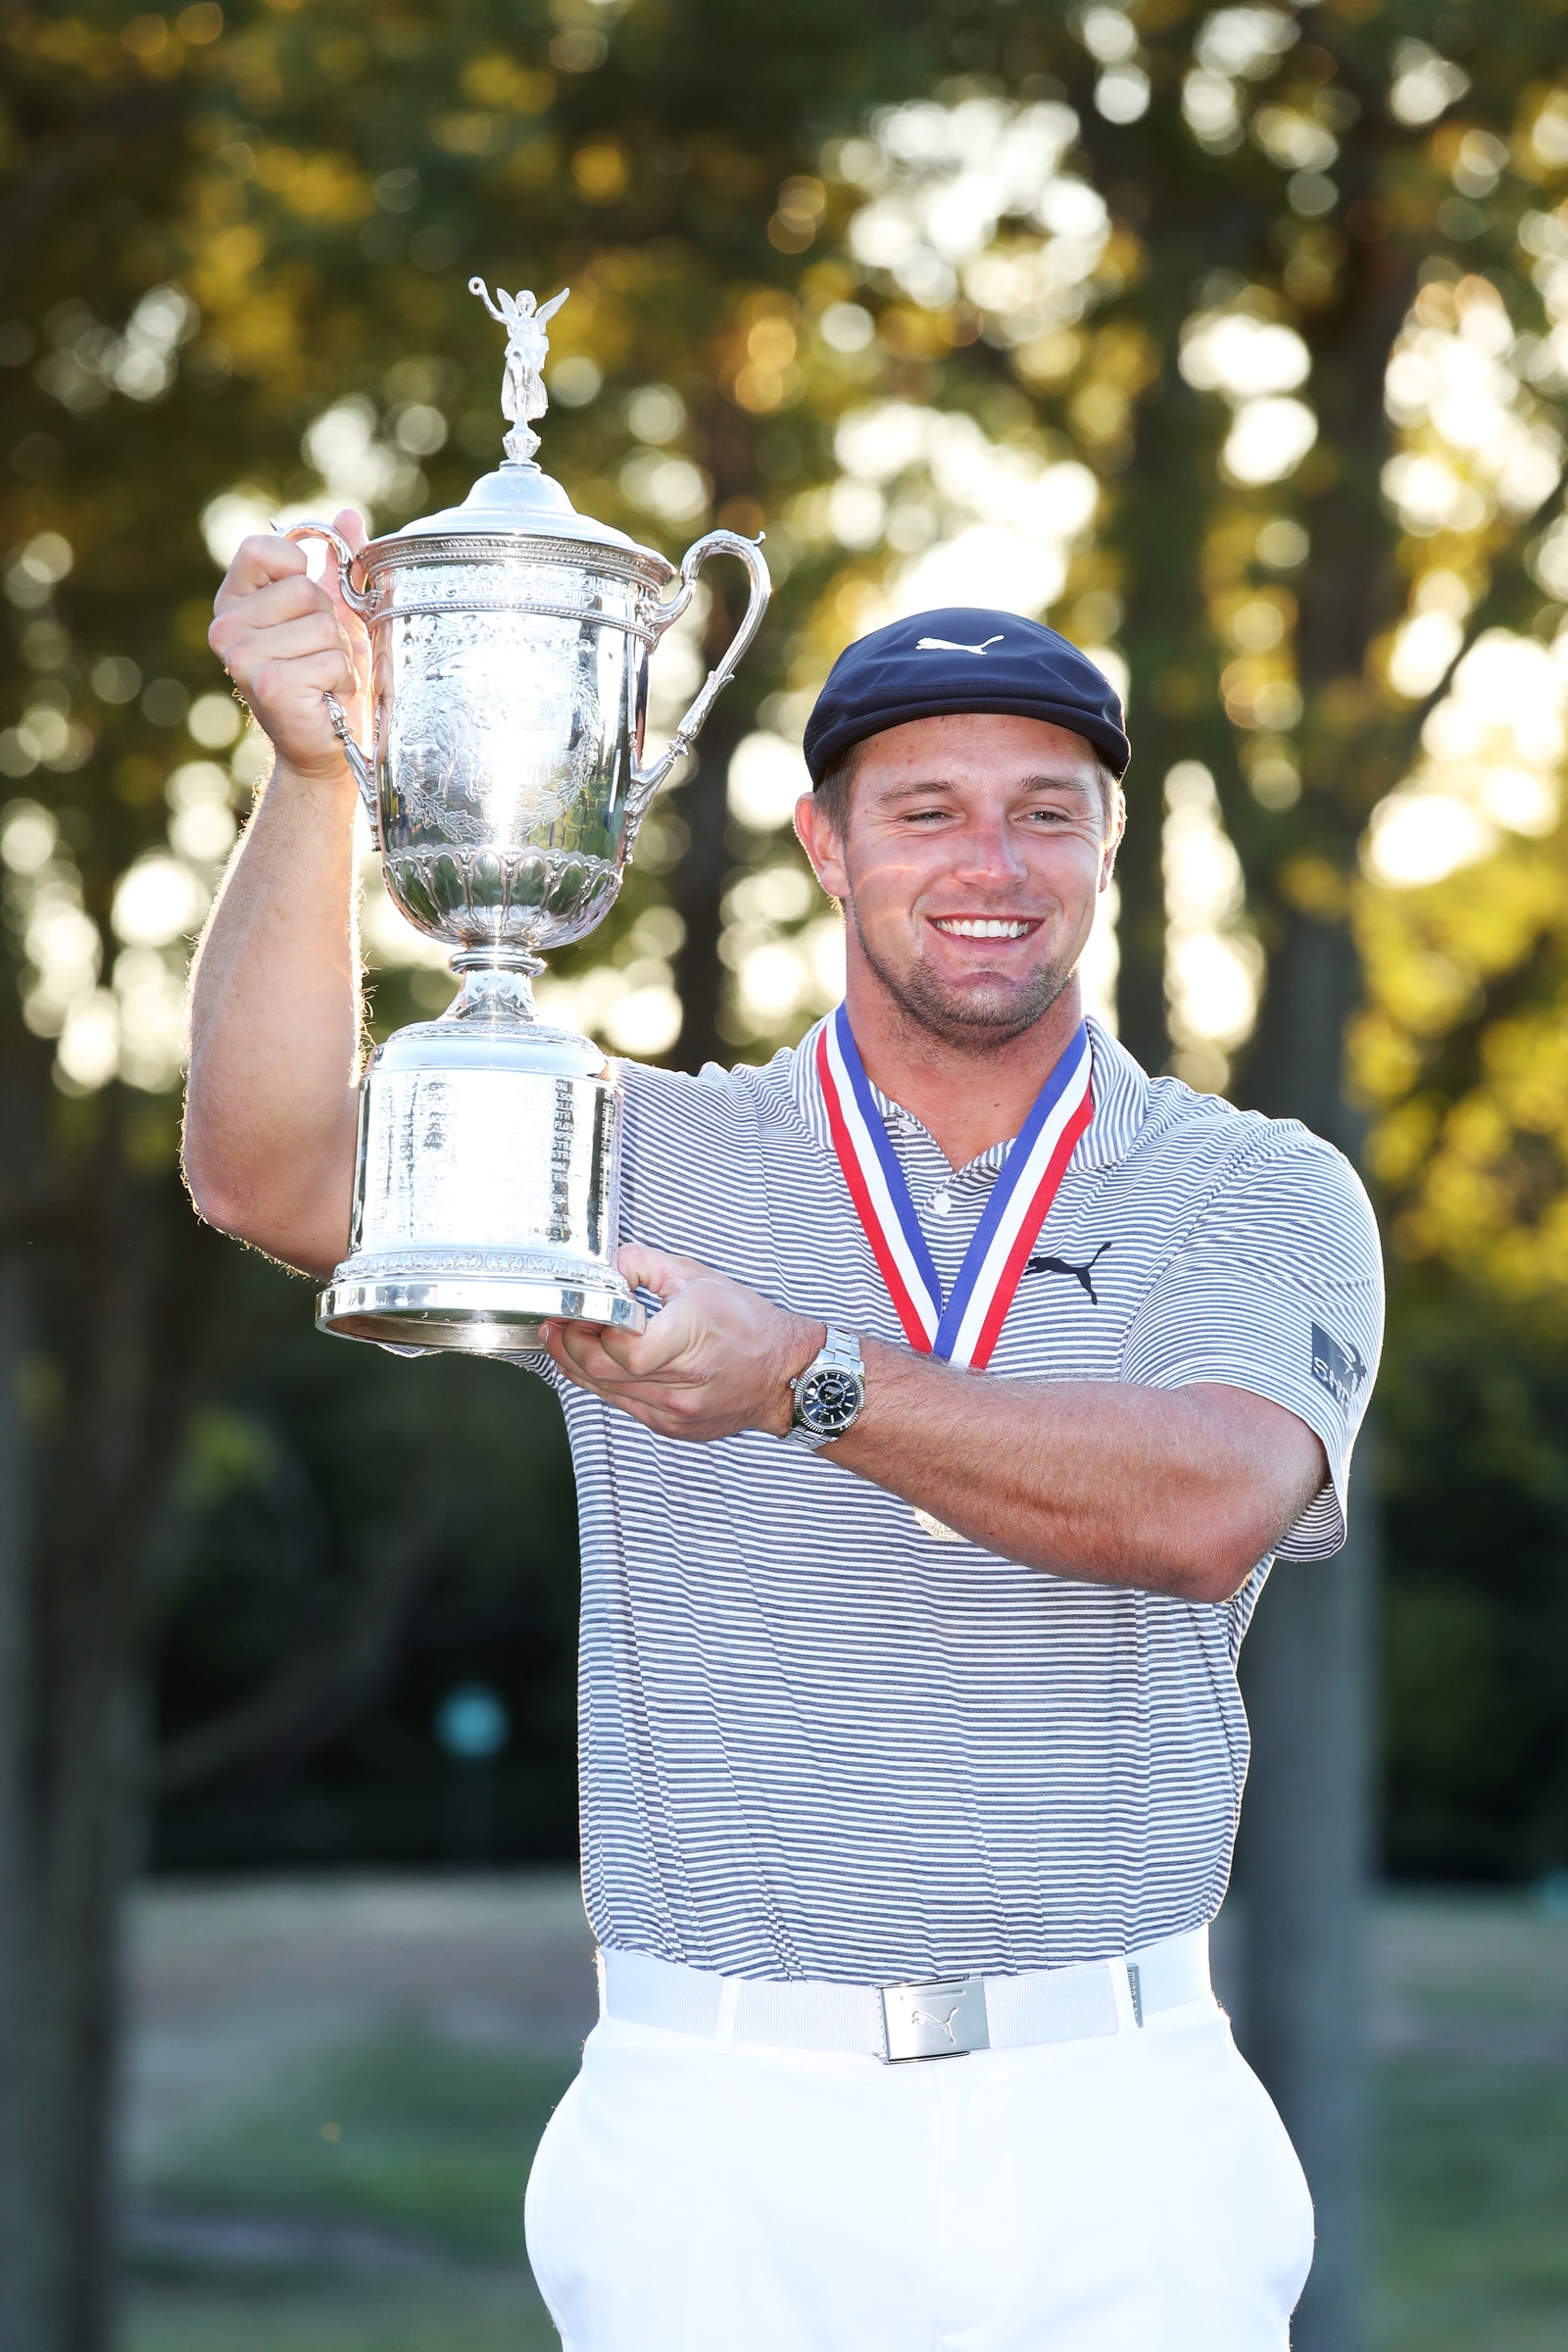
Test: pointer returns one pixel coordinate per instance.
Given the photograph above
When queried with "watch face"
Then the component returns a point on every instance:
(829, 1402)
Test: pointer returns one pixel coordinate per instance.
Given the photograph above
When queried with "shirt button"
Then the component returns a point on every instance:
(942, 1205)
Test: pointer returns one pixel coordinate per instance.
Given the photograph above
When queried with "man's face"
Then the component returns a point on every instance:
(974, 850)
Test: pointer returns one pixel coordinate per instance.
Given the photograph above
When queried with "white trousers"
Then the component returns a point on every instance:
(1135, 2192)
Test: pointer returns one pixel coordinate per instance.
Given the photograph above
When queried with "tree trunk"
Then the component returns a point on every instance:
(68, 1680)
(18, 1946)
(699, 882)
(81, 1486)
(1141, 1014)
(1306, 1824)
(75, 2027)
(1174, 708)
(1304, 1877)
(1305, 1835)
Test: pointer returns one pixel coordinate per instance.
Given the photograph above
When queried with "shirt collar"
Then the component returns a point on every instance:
(1120, 1090)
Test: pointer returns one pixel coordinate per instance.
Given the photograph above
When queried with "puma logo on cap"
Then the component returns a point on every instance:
(945, 644)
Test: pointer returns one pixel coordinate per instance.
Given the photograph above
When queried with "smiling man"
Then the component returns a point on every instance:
(921, 1532)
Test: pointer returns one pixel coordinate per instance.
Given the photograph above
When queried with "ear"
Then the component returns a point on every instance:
(815, 834)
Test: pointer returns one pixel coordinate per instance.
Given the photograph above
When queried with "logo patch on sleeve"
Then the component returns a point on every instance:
(1339, 1370)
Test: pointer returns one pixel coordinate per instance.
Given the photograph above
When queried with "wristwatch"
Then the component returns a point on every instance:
(830, 1393)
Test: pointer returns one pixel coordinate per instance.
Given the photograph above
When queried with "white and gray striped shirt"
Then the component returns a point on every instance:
(817, 1742)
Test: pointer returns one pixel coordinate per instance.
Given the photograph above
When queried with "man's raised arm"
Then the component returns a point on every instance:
(275, 990)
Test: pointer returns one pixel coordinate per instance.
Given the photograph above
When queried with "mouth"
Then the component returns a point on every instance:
(985, 926)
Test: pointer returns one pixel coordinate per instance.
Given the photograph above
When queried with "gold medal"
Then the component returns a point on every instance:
(936, 1528)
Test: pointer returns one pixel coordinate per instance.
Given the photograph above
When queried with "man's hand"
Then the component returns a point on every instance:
(718, 1359)
(288, 641)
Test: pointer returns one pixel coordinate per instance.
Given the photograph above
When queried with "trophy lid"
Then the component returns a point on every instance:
(518, 498)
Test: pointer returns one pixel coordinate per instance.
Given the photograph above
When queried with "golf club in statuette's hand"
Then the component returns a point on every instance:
(510, 638)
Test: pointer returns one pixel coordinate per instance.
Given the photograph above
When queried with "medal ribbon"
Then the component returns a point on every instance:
(964, 1328)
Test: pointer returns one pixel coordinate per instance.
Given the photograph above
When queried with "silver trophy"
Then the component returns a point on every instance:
(510, 640)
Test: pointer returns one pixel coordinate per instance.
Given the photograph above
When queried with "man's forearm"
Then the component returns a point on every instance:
(275, 1029)
(1176, 1491)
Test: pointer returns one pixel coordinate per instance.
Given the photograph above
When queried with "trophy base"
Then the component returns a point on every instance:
(472, 1315)
(485, 1198)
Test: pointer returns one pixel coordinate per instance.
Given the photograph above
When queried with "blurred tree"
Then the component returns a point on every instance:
(232, 255)
(1232, 337)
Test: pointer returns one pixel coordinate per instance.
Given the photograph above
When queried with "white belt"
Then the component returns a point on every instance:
(942, 2017)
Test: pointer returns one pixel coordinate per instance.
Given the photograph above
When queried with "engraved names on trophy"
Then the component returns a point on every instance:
(451, 1158)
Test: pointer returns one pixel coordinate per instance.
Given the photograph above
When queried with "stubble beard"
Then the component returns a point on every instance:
(982, 1020)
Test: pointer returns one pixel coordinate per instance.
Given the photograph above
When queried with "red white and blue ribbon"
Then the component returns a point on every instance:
(964, 1328)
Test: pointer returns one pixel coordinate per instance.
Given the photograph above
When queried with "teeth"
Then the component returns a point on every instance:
(988, 927)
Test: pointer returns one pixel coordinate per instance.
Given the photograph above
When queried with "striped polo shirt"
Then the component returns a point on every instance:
(818, 1742)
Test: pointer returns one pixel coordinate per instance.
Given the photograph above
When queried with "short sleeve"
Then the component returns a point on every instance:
(1278, 1290)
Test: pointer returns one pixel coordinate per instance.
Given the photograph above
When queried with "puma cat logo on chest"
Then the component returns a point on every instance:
(1079, 1274)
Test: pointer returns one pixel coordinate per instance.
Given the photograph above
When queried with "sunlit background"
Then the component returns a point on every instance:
(952, 222)
(1233, 342)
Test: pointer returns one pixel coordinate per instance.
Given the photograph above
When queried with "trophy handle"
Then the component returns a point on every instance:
(646, 781)
(362, 766)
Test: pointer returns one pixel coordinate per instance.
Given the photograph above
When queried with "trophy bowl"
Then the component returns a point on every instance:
(505, 783)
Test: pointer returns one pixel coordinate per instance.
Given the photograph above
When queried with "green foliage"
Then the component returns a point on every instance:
(1474, 1403)
(423, 2143)
(412, 2132)
(462, 2314)
(291, 1492)
(1460, 1053)
(1476, 2162)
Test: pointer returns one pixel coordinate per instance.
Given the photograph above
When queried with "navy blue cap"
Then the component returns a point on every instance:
(964, 658)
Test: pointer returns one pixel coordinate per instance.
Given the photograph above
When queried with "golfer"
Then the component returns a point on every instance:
(920, 1531)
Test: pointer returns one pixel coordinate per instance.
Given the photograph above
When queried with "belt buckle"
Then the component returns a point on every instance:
(943, 2018)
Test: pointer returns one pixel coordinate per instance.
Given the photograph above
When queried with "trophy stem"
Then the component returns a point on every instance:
(497, 985)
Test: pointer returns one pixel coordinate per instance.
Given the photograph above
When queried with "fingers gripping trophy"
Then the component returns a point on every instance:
(510, 640)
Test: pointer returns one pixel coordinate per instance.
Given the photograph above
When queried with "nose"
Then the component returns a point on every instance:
(989, 853)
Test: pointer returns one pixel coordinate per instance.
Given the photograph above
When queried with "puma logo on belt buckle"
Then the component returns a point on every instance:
(944, 2018)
